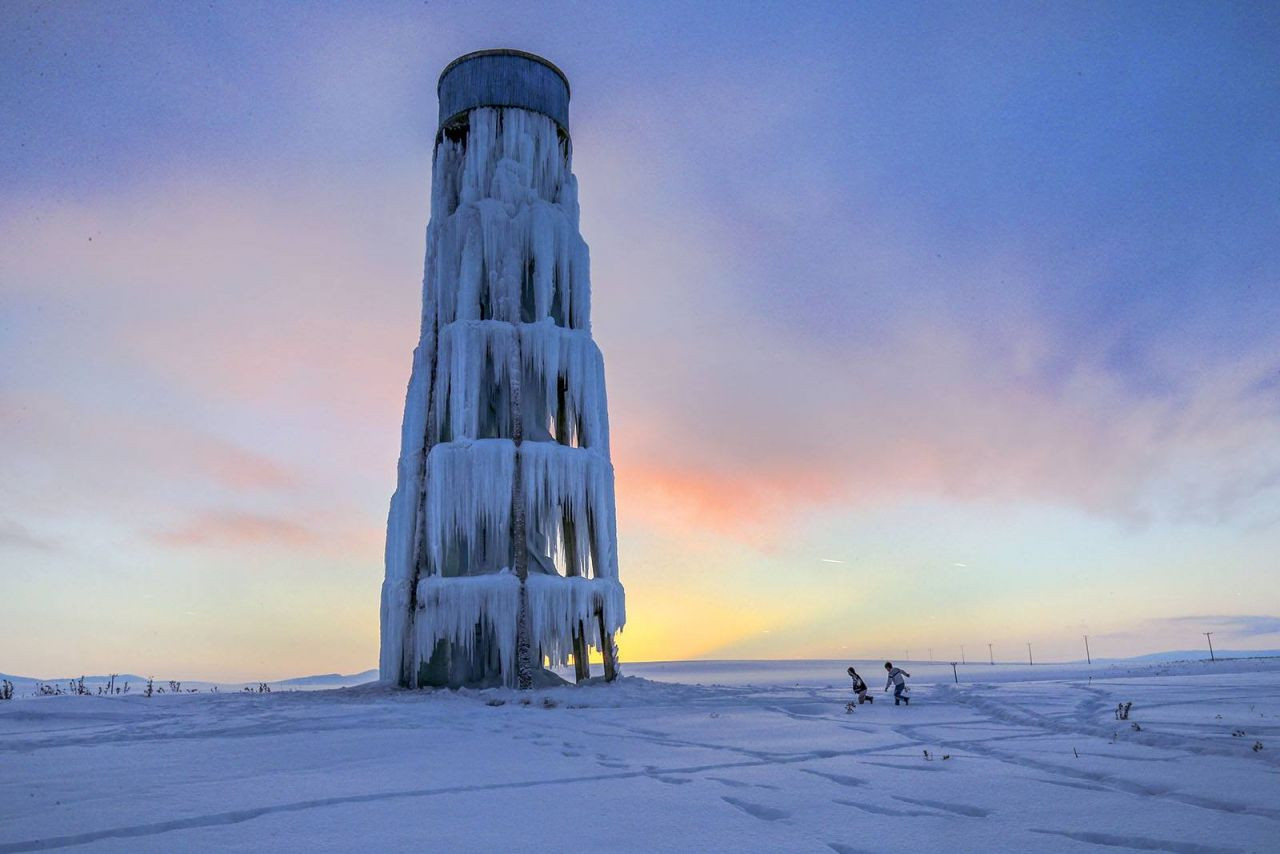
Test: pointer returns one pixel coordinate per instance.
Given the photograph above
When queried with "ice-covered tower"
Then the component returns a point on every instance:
(501, 540)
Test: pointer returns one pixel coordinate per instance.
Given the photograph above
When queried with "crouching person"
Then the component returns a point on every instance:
(860, 687)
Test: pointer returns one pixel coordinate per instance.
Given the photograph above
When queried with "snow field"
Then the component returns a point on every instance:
(657, 766)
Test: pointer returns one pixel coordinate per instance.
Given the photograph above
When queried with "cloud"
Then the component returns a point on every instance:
(1228, 626)
(300, 295)
(227, 529)
(216, 338)
(117, 452)
(947, 418)
(773, 346)
(15, 535)
(765, 365)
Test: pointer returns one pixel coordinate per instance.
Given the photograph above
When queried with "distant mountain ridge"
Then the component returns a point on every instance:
(331, 678)
(1197, 654)
(325, 680)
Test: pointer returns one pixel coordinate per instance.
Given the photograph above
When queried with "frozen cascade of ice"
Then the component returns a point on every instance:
(508, 237)
(473, 373)
(506, 290)
(451, 609)
(570, 483)
(560, 606)
(468, 502)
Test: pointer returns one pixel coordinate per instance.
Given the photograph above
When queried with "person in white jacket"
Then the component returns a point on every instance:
(899, 684)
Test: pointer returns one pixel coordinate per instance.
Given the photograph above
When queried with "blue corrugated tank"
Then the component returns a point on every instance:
(503, 78)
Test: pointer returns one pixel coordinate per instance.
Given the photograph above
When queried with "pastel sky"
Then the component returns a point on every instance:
(924, 325)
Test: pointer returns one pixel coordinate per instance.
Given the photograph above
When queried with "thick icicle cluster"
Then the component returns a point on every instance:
(505, 338)
(468, 504)
(508, 245)
(558, 607)
(473, 377)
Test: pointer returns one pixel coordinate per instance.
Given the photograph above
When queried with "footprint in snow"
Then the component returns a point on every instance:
(1071, 784)
(836, 778)
(1138, 842)
(901, 767)
(841, 848)
(735, 784)
(759, 811)
(958, 809)
(876, 809)
(673, 781)
(611, 763)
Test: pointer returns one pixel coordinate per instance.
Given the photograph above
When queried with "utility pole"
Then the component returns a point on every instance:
(931, 655)
(908, 656)
(991, 655)
(953, 673)
(1087, 656)
(1209, 637)
(1030, 660)
(962, 661)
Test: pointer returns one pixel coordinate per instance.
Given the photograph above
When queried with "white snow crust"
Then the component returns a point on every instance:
(1019, 758)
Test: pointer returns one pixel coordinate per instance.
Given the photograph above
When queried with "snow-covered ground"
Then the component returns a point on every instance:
(1010, 759)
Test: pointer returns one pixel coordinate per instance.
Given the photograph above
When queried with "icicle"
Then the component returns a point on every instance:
(402, 517)
(469, 492)
(557, 606)
(473, 360)
(542, 249)
(560, 481)
(551, 352)
(451, 608)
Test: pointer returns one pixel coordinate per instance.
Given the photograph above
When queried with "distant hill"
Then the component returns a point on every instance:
(330, 679)
(324, 680)
(62, 680)
(1197, 654)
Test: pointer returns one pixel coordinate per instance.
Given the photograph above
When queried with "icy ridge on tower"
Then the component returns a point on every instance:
(501, 535)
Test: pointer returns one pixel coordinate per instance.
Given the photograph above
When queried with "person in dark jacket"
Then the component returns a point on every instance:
(860, 687)
(899, 684)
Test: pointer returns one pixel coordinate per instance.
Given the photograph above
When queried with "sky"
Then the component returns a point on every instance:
(924, 325)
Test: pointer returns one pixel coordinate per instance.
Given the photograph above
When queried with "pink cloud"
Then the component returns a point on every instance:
(964, 428)
(307, 297)
(236, 467)
(125, 447)
(228, 529)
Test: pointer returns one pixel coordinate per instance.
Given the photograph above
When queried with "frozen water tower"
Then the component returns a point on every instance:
(501, 540)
